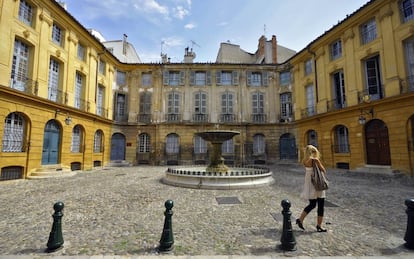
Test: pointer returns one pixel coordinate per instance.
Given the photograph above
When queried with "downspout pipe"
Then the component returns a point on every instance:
(315, 73)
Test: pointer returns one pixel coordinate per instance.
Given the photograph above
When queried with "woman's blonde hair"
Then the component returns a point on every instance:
(311, 152)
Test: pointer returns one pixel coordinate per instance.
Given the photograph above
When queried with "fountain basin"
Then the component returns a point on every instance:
(234, 178)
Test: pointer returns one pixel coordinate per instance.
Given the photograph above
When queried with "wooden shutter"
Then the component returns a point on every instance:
(235, 77)
(265, 80)
(192, 77)
(166, 77)
(218, 77)
(208, 78)
(249, 78)
(182, 77)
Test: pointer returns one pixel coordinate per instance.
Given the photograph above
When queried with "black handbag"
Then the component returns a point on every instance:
(318, 178)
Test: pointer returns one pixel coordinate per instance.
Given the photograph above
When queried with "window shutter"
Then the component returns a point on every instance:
(218, 77)
(166, 77)
(208, 78)
(265, 79)
(235, 77)
(249, 78)
(192, 77)
(182, 77)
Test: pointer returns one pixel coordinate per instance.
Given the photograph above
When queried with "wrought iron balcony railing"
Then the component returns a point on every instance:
(259, 118)
(227, 117)
(200, 117)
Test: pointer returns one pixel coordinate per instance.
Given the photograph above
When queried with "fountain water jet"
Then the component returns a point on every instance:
(217, 175)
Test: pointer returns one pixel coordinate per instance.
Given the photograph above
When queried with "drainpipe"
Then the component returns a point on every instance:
(316, 74)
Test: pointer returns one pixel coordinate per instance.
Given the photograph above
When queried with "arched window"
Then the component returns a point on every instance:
(75, 146)
(312, 138)
(14, 133)
(98, 142)
(200, 145)
(341, 139)
(144, 143)
(259, 144)
(172, 146)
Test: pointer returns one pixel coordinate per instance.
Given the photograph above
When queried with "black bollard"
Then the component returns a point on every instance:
(409, 234)
(167, 238)
(56, 238)
(288, 239)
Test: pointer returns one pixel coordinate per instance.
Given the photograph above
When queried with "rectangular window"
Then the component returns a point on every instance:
(308, 67)
(120, 106)
(53, 83)
(338, 81)
(409, 56)
(97, 142)
(258, 103)
(57, 34)
(407, 10)
(120, 78)
(310, 101)
(145, 103)
(14, 133)
(373, 78)
(20, 66)
(336, 49)
(286, 105)
(368, 31)
(146, 79)
(26, 12)
(144, 143)
(285, 78)
(173, 103)
(75, 146)
(227, 103)
(81, 52)
(174, 78)
(79, 91)
(227, 147)
(102, 67)
(100, 100)
(226, 78)
(200, 145)
(200, 78)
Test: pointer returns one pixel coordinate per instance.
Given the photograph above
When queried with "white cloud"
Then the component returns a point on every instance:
(189, 26)
(151, 6)
(222, 24)
(180, 12)
(172, 41)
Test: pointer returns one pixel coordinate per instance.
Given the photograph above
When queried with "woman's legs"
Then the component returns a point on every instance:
(305, 212)
(321, 206)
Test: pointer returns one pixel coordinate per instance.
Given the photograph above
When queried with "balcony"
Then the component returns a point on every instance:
(227, 117)
(81, 104)
(57, 95)
(101, 111)
(259, 118)
(121, 117)
(371, 94)
(335, 104)
(407, 85)
(144, 118)
(200, 117)
(25, 85)
(308, 112)
(172, 117)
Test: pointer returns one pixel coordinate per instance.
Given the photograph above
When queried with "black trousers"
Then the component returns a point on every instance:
(312, 205)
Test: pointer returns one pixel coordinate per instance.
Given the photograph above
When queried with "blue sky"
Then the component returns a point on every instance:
(172, 25)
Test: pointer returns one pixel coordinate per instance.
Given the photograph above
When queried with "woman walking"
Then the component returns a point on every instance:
(312, 156)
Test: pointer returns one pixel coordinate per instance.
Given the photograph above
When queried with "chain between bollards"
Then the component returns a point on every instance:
(167, 237)
(55, 241)
(288, 242)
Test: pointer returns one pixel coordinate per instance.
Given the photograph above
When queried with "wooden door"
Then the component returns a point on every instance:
(377, 143)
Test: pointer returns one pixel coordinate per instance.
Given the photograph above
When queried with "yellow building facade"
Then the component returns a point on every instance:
(67, 103)
(55, 91)
(354, 90)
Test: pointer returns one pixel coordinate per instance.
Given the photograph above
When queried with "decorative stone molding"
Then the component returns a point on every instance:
(73, 38)
(411, 29)
(93, 55)
(384, 13)
(26, 33)
(320, 53)
(45, 17)
(368, 51)
(349, 35)
(58, 53)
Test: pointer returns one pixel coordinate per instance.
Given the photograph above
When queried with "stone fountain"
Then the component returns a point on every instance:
(217, 175)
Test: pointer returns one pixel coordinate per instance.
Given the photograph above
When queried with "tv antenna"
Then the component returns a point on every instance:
(193, 43)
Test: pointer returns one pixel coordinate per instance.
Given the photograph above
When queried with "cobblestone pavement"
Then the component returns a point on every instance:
(120, 211)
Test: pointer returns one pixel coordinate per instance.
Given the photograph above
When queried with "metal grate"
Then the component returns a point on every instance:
(228, 200)
(11, 173)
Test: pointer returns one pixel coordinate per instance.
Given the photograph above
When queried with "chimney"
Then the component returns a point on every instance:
(274, 50)
(189, 55)
(124, 44)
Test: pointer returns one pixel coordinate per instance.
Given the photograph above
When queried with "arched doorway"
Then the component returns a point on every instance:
(51, 143)
(118, 147)
(377, 143)
(287, 147)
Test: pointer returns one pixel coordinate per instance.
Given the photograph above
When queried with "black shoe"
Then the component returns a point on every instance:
(319, 229)
(299, 224)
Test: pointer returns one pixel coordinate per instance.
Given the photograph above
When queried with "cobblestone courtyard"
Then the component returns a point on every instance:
(120, 211)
